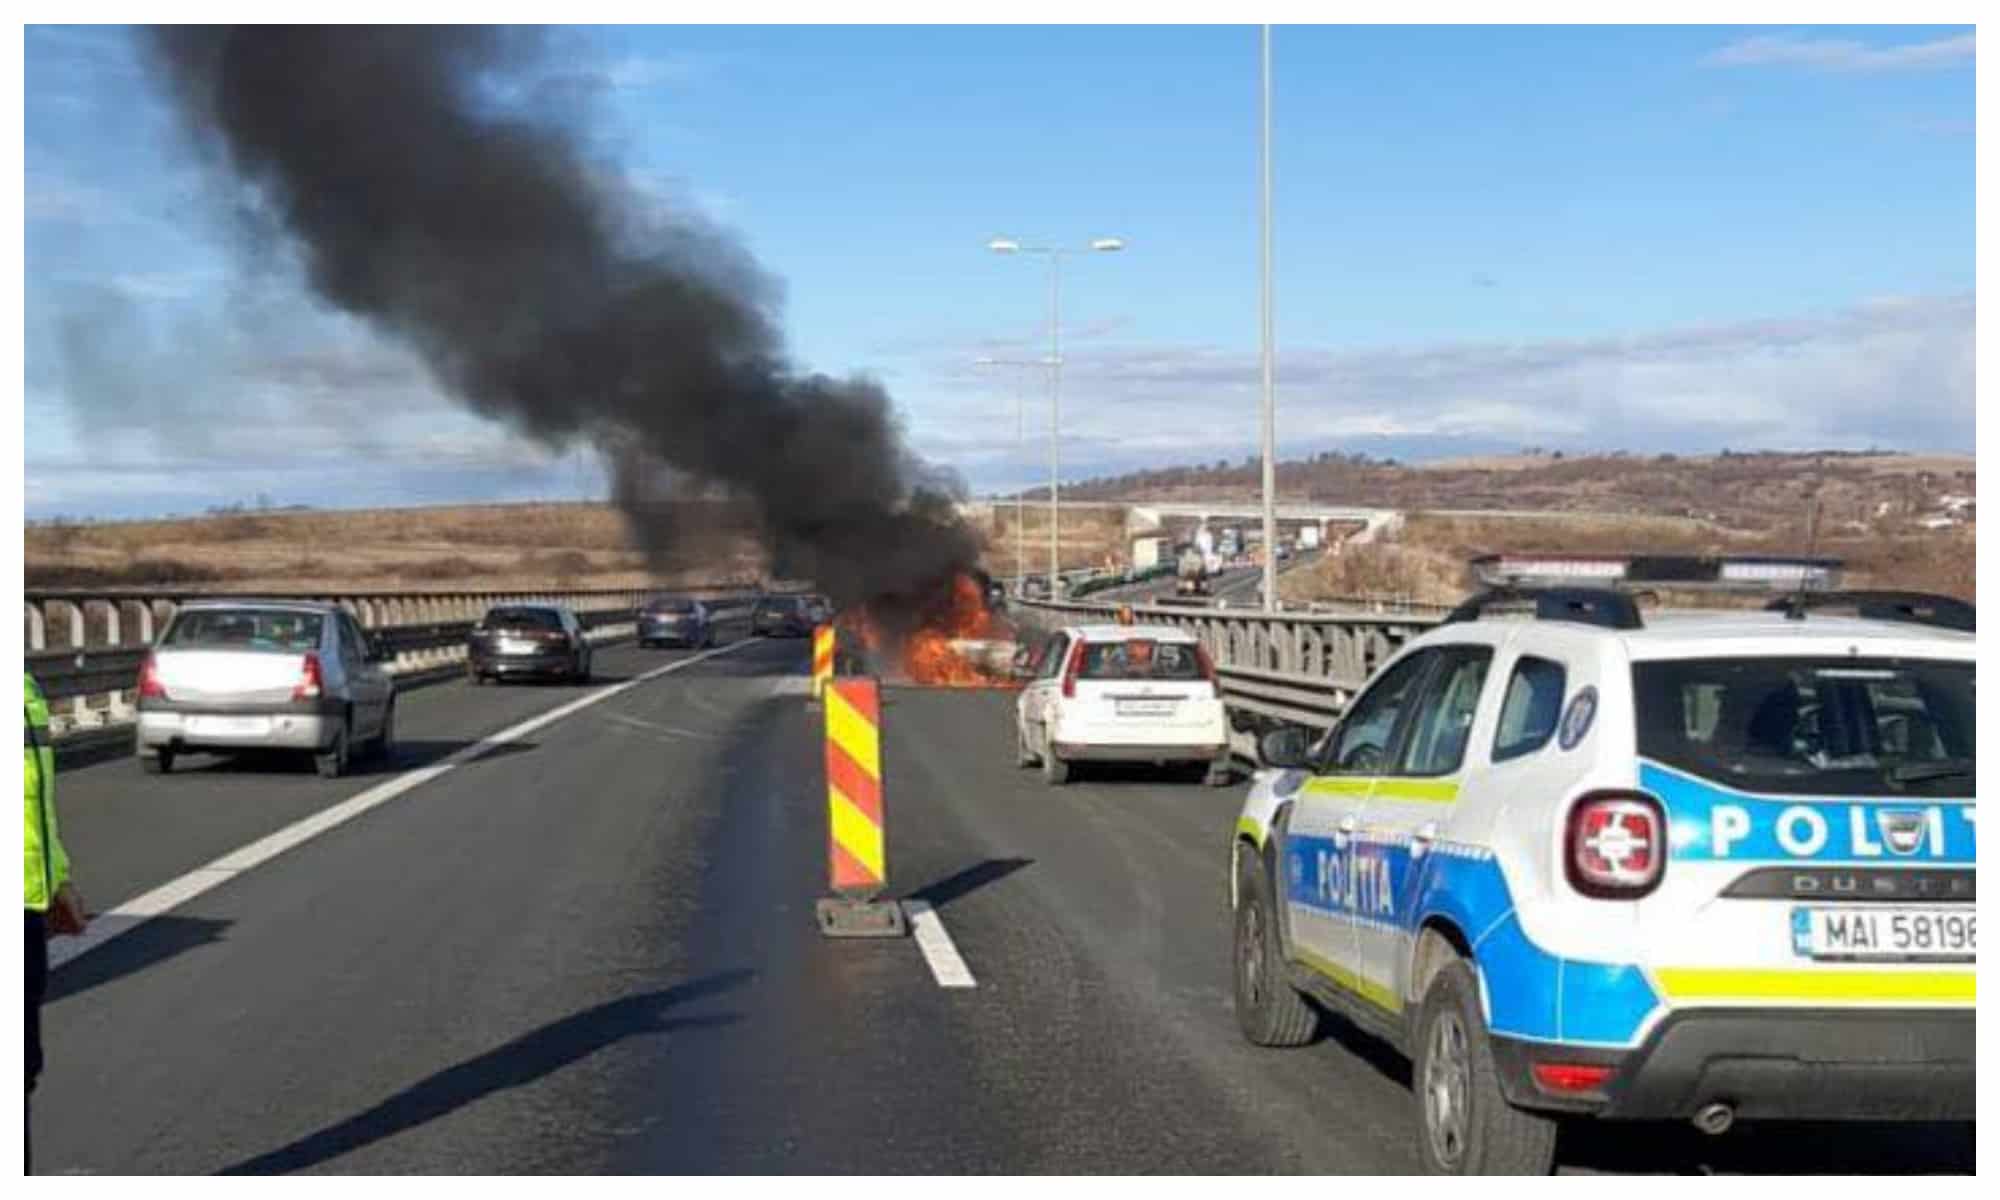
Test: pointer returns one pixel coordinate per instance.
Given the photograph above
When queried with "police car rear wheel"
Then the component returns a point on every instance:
(1268, 1009)
(1469, 1128)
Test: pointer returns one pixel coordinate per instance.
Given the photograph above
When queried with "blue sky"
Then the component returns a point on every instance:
(1640, 238)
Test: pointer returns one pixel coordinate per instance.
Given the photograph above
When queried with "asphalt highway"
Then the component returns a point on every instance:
(592, 949)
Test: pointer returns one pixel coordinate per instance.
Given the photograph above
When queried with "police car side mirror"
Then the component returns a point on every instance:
(1288, 748)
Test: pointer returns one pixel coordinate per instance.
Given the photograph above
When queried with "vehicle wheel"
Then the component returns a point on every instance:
(385, 741)
(1468, 1126)
(583, 668)
(1269, 1009)
(332, 762)
(1055, 772)
(1023, 756)
(157, 764)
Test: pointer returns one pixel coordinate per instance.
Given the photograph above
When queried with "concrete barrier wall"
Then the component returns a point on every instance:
(85, 646)
(1297, 668)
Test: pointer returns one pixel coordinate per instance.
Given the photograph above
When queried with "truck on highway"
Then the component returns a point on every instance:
(1192, 574)
(1198, 561)
(1148, 552)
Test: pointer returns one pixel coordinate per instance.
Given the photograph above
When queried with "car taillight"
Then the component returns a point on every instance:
(1071, 670)
(150, 687)
(1207, 666)
(310, 680)
(1616, 848)
(1570, 1077)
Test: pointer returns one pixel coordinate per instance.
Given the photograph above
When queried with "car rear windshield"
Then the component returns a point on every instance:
(676, 604)
(1140, 658)
(1836, 726)
(524, 618)
(273, 630)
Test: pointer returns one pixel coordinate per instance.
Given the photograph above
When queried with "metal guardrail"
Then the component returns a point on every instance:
(1291, 667)
(101, 636)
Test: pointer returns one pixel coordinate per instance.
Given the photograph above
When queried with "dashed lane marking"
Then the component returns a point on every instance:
(946, 966)
(175, 892)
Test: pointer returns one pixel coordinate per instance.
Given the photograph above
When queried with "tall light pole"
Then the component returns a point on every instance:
(1055, 254)
(1270, 405)
(1020, 439)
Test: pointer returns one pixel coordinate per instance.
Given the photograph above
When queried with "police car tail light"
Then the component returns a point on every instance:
(1617, 845)
(310, 679)
(1071, 670)
(150, 687)
(1570, 1077)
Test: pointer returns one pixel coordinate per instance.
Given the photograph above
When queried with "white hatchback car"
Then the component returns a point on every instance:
(1121, 693)
(1581, 863)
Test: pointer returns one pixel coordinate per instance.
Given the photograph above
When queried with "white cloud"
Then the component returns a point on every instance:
(1836, 54)
(1896, 371)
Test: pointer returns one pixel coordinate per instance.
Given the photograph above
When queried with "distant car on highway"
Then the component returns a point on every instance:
(676, 620)
(786, 616)
(1120, 693)
(534, 640)
(261, 675)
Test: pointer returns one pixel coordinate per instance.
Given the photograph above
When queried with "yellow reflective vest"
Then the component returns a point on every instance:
(48, 865)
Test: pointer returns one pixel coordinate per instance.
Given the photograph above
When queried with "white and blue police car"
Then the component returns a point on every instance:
(1580, 862)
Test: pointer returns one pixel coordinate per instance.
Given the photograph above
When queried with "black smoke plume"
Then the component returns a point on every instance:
(425, 190)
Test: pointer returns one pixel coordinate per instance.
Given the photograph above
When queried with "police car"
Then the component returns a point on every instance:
(1579, 861)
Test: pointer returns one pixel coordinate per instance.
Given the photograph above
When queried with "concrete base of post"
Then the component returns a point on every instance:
(841, 917)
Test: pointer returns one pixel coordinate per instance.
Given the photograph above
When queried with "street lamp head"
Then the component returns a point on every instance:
(1004, 246)
(1107, 244)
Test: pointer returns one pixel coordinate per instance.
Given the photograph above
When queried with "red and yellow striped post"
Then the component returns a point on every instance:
(857, 852)
(822, 659)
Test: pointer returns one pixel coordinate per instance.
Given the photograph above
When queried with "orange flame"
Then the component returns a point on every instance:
(945, 649)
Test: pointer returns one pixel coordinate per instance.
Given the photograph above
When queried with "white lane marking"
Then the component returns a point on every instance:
(175, 892)
(946, 966)
(672, 732)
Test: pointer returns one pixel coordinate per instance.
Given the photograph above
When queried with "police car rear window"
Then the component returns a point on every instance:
(1830, 727)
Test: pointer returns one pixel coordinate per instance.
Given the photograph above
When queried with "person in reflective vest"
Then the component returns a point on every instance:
(53, 905)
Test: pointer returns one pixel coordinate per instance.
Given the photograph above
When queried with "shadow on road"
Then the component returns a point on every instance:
(1784, 1148)
(521, 1061)
(1335, 1028)
(950, 888)
(410, 753)
(154, 942)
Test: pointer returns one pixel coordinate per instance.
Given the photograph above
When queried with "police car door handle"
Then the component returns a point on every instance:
(1427, 832)
(1346, 824)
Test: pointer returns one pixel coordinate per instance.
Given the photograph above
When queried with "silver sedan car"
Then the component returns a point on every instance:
(231, 675)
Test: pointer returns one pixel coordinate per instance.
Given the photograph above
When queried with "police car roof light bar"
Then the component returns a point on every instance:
(1731, 572)
(1914, 608)
(1606, 608)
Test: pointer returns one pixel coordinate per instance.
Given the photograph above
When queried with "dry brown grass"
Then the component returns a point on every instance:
(1427, 560)
(468, 546)
(1092, 536)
